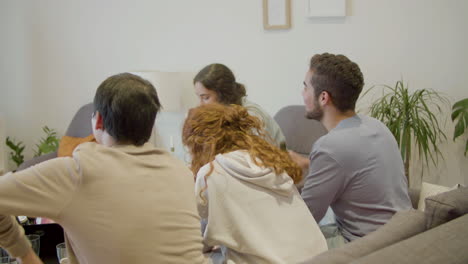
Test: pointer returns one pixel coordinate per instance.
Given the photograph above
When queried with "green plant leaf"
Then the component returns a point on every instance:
(412, 118)
(16, 155)
(47, 144)
(466, 147)
(460, 115)
(462, 104)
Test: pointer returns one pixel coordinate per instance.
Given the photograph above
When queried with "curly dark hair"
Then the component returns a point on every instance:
(220, 79)
(339, 76)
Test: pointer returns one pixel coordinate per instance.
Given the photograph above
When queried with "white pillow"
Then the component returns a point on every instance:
(428, 189)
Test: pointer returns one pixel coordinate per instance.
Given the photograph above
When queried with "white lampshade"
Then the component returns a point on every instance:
(176, 94)
(175, 89)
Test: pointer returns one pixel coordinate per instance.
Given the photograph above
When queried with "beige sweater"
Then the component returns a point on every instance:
(122, 204)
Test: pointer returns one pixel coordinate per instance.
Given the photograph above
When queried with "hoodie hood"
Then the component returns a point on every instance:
(240, 165)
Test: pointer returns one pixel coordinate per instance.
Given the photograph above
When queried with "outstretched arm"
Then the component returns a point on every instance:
(42, 190)
(30, 258)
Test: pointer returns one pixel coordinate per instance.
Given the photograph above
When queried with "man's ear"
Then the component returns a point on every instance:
(99, 121)
(324, 98)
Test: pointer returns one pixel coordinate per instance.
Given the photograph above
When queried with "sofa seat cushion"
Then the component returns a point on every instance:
(401, 226)
(446, 206)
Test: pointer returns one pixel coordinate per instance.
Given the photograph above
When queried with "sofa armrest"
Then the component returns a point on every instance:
(401, 226)
(36, 160)
(443, 244)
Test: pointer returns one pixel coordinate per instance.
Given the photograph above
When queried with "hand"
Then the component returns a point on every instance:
(30, 258)
(207, 249)
(211, 249)
(302, 161)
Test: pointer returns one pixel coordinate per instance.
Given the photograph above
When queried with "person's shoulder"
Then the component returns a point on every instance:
(207, 169)
(370, 120)
(247, 103)
(253, 108)
(329, 140)
(87, 146)
(214, 167)
(340, 138)
(375, 124)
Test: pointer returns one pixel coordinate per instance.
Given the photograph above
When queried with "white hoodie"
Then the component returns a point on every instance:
(257, 215)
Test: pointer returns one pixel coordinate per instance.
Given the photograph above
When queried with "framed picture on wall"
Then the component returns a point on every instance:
(276, 14)
(327, 8)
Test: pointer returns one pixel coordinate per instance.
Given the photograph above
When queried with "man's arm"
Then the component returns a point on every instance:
(15, 241)
(302, 161)
(42, 190)
(12, 237)
(323, 184)
(30, 258)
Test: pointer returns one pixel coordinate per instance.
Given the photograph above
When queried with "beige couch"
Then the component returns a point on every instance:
(437, 235)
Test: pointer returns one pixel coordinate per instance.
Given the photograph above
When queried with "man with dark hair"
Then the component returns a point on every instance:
(118, 200)
(128, 105)
(356, 168)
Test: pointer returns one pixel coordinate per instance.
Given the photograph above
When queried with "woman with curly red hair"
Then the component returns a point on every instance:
(245, 189)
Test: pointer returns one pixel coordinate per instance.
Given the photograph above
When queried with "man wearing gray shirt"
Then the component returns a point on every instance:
(356, 168)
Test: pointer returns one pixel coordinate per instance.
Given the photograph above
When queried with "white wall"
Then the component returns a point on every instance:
(3, 152)
(55, 53)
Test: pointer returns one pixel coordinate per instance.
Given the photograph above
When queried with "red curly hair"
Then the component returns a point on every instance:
(213, 129)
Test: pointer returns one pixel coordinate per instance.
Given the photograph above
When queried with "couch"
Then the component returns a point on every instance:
(437, 235)
(300, 133)
(79, 127)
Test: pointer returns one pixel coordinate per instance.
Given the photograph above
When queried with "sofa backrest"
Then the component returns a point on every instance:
(80, 126)
(300, 132)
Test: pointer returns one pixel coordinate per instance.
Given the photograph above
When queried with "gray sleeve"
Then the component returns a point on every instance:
(323, 185)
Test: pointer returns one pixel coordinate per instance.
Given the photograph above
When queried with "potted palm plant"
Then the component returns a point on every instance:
(412, 117)
(460, 114)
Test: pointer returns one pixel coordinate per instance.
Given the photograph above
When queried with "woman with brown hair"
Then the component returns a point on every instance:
(216, 83)
(245, 189)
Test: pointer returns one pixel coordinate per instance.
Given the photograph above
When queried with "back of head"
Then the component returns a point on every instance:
(128, 105)
(213, 129)
(338, 76)
(220, 79)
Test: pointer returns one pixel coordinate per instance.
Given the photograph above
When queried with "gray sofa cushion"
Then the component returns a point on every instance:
(80, 126)
(445, 244)
(401, 226)
(37, 160)
(446, 206)
(300, 132)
